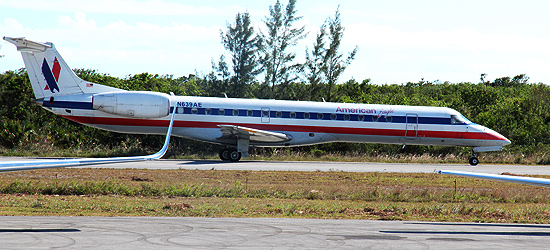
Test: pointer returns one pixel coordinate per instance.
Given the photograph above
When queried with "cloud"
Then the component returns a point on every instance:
(120, 48)
(123, 7)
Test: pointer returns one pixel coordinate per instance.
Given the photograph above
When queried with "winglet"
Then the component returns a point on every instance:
(33, 165)
(495, 177)
(164, 148)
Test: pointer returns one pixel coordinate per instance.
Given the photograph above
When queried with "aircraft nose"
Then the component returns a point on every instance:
(506, 142)
(498, 138)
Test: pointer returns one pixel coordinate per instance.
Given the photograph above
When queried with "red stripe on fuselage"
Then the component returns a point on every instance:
(292, 128)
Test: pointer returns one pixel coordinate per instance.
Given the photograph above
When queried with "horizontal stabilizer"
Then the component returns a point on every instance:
(257, 135)
(506, 178)
(42, 164)
(25, 45)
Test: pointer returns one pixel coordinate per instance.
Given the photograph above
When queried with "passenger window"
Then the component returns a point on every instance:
(235, 112)
(279, 114)
(388, 119)
(208, 111)
(333, 116)
(194, 111)
(179, 111)
(249, 113)
(320, 116)
(361, 118)
(346, 117)
(221, 112)
(374, 118)
(265, 113)
(292, 114)
(306, 115)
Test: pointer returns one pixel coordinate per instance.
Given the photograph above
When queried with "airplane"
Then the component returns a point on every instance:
(241, 124)
(543, 182)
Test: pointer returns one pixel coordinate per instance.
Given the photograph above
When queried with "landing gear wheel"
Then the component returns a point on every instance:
(473, 160)
(234, 156)
(224, 154)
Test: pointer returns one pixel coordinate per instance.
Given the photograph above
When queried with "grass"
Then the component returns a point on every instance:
(214, 193)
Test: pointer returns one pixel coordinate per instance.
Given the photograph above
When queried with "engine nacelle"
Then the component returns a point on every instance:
(140, 104)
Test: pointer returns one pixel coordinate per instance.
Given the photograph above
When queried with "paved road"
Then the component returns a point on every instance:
(319, 166)
(233, 233)
(346, 166)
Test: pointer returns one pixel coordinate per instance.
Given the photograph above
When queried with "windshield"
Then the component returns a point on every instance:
(459, 119)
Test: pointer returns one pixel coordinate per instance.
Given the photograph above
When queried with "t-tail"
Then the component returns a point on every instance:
(49, 74)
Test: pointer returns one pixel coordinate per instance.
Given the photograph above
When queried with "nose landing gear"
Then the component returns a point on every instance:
(473, 159)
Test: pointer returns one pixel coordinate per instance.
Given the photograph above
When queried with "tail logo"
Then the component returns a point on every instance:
(51, 75)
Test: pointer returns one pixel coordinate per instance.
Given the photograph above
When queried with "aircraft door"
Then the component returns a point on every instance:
(265, 115)
(411, 127)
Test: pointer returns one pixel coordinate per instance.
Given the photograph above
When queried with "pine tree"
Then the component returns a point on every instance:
(243, 45)
(326, 64)
(281, 35)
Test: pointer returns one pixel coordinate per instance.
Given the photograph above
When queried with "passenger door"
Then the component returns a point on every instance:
(265, 115)
(411, 127)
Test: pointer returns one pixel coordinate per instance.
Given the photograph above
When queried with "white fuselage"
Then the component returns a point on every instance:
(304, 122)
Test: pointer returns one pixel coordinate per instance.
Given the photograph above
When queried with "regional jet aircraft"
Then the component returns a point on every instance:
(240, 124)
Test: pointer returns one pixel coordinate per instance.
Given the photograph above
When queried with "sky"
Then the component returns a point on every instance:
(398, 41)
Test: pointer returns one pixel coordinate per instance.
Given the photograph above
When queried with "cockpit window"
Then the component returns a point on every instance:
(459, 119)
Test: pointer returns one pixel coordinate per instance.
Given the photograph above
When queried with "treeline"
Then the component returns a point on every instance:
(513, 107)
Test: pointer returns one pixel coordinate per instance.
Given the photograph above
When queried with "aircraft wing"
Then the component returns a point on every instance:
(506, 178)
(233, 131)
(42, 164)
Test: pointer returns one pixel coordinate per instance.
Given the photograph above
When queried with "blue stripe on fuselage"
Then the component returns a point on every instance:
(313, 116)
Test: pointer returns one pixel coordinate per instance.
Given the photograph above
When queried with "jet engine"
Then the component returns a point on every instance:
(138, 104)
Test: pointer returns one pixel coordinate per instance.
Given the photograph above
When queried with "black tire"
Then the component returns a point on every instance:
(473, 160)
(234, 156)
(224, 154)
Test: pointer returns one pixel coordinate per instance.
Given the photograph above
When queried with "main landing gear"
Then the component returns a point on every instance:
(473, 159)
(230, 154)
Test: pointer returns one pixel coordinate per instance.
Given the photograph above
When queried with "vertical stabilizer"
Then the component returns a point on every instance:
(48, 72)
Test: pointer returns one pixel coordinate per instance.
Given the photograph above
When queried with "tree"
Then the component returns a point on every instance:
(217, 82)
(335, 64)
(314, 63)
(281, 35)
(506, 81)
(482, 77)
(327, 63)
(243, 45)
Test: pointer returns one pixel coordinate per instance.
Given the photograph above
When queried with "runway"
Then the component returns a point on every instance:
(330, 166)
(320, 166)
(263, 233)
